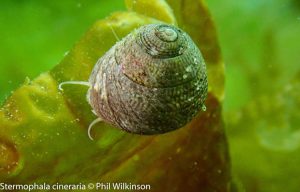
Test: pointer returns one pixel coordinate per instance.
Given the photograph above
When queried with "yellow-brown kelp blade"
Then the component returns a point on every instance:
(157, 9)
(43, 134)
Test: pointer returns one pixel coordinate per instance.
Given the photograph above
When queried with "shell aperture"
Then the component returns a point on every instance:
(152, 81)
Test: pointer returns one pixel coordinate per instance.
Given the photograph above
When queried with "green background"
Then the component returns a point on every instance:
(260, 43)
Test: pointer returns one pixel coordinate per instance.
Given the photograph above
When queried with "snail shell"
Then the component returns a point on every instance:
(152, 81)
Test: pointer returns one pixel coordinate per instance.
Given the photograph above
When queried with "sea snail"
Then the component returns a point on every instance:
(152, 81)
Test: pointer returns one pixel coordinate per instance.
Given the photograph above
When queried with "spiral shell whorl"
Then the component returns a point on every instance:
(161, 41)
(153, 81)
(150, 61)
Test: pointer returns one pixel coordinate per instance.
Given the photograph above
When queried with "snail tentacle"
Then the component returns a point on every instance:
(91, 126)
(86, 83)
(114, 33)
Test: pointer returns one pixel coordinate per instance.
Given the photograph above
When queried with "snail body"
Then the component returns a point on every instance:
(152, 81)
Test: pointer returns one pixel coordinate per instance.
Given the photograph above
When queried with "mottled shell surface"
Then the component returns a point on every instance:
(152, 81)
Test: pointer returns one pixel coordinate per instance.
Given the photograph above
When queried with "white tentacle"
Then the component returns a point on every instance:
(91, 125)
(86, 83)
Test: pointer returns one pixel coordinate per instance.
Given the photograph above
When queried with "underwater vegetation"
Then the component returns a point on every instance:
(43, 132)
(260, 46)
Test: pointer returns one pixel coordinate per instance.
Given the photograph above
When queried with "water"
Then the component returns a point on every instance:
(260, 47)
